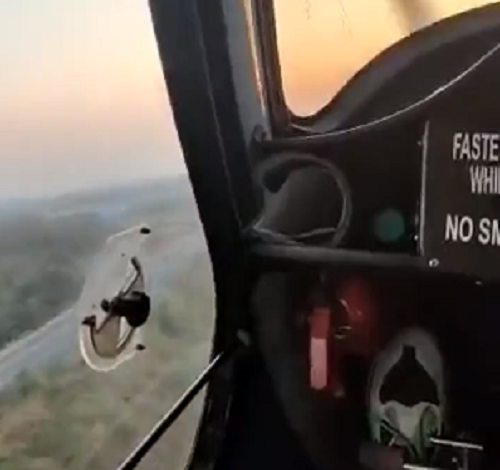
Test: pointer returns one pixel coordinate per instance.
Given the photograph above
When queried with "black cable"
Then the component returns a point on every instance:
(272, 174)
(133, 460)
(378, 124)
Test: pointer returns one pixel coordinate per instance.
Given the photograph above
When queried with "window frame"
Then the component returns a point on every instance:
(284, 122)
(200, 82)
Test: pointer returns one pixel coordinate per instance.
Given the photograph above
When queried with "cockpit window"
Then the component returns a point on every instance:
(323, 43)
(88, 153)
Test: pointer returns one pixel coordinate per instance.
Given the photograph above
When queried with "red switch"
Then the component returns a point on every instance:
(319, 363)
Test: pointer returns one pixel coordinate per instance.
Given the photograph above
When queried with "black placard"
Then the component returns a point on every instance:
(460, 213)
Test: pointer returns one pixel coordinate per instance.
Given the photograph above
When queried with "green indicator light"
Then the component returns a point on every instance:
(389, 226)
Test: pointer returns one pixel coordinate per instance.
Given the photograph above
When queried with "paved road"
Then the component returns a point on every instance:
(58, 339)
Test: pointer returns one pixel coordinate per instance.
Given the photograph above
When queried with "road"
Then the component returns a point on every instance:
(57, 340)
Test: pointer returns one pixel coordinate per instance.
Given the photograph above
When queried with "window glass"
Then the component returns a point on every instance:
(323, 43)
(88, 149)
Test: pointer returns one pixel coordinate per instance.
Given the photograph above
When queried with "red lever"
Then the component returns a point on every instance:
(357, 316)
(319, 363)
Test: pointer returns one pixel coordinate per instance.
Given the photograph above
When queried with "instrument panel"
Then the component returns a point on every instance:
(428, 182)
(322, 334)
(425, 184)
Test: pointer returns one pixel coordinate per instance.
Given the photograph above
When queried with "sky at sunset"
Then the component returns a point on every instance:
(83, 102)
(82, 95)
(323, 43)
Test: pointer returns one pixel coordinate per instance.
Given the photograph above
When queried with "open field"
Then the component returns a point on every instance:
(59, 414)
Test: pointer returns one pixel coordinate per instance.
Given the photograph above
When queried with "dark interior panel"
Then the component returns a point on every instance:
(411, 69)
(386, 171)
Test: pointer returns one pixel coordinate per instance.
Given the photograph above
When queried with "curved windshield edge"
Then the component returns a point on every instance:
(323, 44)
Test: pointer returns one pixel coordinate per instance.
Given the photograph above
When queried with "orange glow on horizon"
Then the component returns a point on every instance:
(83, 97)
(109, 74)
(322, 43)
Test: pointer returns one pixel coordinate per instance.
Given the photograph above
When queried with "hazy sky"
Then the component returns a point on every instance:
(83, 100)
(82, 96)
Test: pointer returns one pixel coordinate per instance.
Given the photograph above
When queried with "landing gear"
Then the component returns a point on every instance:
(114, 304)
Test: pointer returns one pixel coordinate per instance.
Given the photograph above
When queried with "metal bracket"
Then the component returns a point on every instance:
(464, 449)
